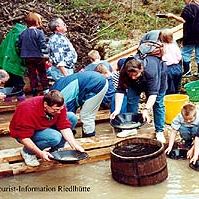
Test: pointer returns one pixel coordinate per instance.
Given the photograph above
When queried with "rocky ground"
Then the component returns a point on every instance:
(82, 27)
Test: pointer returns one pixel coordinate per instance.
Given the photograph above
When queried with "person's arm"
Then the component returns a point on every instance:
(151, 101)
(118, 104)
(2, 96)
(63, 70)
(28, 143)
(190, 152)
(69, 137)
(171, 141)
(4, 76)
(178, 18)
(149, 105)
(196, 150)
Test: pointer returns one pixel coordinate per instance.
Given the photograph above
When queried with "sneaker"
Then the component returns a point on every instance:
(160, 137)
(126, 133)
(30, 160)
(85, 135)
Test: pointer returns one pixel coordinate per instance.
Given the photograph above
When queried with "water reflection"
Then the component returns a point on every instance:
(182, 183)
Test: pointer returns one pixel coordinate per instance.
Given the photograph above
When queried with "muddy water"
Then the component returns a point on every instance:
(94, 181)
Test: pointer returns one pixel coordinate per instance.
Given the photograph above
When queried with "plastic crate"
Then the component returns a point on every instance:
(192, 89)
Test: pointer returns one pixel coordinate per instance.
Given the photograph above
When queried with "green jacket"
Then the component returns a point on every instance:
(9, 57)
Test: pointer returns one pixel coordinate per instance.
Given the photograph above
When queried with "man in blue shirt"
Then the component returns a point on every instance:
(86, 90)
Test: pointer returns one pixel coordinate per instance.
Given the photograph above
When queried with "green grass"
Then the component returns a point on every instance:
(120, 17)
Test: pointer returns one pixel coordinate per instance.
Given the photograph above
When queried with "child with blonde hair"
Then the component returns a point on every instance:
(186, 123)
(172, 56)
(95, 59)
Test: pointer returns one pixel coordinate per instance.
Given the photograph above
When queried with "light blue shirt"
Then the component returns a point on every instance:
(179, 121)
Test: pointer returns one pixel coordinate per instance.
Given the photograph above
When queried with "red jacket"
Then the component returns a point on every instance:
(30, 117)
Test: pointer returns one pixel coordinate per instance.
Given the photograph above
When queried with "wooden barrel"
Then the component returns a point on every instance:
(139, 162)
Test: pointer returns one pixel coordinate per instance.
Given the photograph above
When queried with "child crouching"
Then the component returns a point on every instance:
(186, 123)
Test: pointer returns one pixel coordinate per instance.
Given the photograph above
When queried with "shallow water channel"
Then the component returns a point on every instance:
(94, 181)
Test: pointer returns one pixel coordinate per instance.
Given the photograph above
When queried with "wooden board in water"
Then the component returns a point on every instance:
(102, 115)
(98, 148)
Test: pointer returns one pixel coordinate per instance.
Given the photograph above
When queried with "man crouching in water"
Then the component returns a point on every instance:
(39, 123)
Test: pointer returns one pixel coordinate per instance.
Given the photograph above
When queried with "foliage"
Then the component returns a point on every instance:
(122, 17)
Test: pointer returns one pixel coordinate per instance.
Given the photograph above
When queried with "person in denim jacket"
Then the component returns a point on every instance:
(62, 53)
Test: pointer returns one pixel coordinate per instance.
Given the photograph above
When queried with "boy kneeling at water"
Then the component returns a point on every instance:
(186, 123)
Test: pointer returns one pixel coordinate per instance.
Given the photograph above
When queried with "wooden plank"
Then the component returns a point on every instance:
(5, 169)
(97, 147)
(10, 168)
(7, 108)
(102, 115)
(94, 156)
(100, 141)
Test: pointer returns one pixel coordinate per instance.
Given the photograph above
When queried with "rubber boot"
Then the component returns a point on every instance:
(187, 69)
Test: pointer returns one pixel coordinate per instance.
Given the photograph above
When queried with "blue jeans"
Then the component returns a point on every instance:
(51, 137)
(56, 74)
(72, 117)
(187, 133)
(174, 76)
(187, 53)
(133, 98)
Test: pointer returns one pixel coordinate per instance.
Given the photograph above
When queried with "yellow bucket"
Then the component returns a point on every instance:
(173, 105)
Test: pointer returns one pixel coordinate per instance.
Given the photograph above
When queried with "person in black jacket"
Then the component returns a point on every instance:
(190, 19)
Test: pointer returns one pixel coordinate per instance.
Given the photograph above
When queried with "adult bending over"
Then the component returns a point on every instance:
(39, 123)
(85, 90)
(147, 76)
